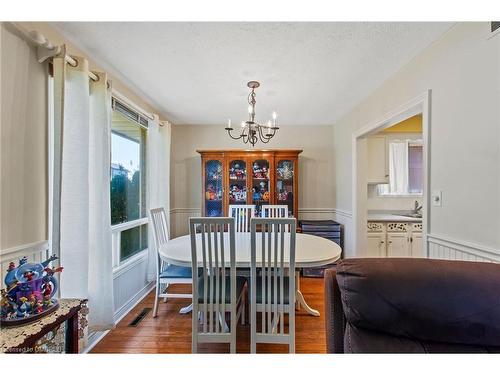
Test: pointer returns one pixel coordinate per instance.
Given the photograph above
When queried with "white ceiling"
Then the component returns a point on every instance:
(196, 73)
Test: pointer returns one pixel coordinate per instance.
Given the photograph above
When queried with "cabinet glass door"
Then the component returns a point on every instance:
(285, 184)
(237, 182)
(213, 188)
(260, 184)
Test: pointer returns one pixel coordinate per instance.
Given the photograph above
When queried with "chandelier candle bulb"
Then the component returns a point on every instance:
(229, 124)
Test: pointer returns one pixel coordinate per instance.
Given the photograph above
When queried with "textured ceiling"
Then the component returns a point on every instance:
(196, 73)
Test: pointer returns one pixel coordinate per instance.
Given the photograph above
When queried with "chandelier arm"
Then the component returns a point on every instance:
(265, 138)
(240, 136)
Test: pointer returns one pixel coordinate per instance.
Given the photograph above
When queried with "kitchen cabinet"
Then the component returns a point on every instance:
(394, 239)
(376, 240)
(377, 161)
(416, 243)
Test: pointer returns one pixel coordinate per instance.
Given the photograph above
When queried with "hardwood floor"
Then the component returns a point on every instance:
(170, 332)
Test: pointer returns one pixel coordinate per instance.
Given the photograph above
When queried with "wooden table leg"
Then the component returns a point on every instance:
(299, 298)
(72, 334)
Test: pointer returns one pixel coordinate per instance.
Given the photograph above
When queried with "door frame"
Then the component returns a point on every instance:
(420, 104)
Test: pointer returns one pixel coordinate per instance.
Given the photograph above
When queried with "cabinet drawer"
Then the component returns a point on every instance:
(374, 227)
(416, 227)
(397, 227)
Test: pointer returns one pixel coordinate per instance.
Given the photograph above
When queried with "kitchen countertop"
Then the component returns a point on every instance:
(393, 217)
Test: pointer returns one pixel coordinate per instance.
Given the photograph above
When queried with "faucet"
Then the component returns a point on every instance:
(416, 209)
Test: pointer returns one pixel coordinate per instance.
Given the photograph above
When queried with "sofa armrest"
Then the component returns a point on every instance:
(334, 314)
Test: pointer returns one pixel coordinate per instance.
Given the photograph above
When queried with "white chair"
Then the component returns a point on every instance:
(214, 292)
(275, 210)
(166, 274)
(272, 293)
(242, 214)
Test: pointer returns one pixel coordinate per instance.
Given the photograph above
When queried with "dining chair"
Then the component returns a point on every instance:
(272, 293)
(275, 210)
(214, 292)
(166, 274)
(242, 213)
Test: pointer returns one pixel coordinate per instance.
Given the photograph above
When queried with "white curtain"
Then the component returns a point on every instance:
(82, 117)
(158, 164)
(398, 168)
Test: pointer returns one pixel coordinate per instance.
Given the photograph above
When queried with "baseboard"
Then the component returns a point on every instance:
(95, 337)
(93, 340)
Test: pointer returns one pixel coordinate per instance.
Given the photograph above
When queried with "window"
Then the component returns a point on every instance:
(405, 169)
(128, 182)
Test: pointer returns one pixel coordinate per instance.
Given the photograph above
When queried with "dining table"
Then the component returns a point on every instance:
(310, 251)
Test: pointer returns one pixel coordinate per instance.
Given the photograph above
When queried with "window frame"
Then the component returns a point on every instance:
(409, 143)
(122, 265)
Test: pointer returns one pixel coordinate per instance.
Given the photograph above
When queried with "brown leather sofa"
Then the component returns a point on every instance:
(396, 305)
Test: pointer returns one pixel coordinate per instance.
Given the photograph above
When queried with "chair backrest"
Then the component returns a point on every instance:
(160, 228)
(275, 210)
(215, 245)
(275, 244)
(160, 233)
(242, 214)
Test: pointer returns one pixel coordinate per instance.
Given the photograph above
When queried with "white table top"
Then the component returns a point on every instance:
(310, 251)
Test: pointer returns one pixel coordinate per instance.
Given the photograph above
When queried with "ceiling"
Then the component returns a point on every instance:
(196, 73)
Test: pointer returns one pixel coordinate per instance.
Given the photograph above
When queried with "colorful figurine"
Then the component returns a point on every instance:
(29, 292)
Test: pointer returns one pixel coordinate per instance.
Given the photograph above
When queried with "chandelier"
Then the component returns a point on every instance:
(251, 131)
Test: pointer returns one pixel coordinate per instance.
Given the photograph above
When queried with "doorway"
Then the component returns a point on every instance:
(360, 177)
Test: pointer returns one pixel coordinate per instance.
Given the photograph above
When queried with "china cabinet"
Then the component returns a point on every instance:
(256, 177)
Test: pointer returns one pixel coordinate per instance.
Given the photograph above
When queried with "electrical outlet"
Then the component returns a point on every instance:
(436, 198)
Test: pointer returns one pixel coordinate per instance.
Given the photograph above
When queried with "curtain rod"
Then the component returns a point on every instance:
(46, 49)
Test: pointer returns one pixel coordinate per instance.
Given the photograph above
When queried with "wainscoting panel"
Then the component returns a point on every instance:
(441, 247)
(179, 220)
(35, 252)
(129, 286)
(179, 217)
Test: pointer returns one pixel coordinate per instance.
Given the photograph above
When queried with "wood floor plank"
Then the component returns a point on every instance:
(170, 332)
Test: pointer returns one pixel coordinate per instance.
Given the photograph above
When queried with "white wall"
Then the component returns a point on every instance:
(462, 69)
(316, 174)
(24, 169)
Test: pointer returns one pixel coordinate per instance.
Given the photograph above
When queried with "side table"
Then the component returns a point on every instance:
(58, 332)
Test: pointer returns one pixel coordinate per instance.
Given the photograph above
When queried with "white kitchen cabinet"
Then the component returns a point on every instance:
(376, 245)
(377, 166)
(398, 245)
(376, 240)
(394, 239)
(416, 245)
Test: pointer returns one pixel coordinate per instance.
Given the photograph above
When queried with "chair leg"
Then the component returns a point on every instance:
(234, 320)
(194, 333)
(165, 298)
(253, 330)
(291, 328)
(155, 307)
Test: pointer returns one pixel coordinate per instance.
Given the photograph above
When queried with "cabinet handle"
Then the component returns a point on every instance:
(381, 241)
(411, 239)
(390, 241)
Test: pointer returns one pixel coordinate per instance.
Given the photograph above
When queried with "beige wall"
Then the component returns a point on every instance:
(24, 174)
(462, 69)
(118, 84)
(316, 183)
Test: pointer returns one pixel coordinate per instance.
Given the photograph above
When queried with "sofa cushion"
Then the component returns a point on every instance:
(360, 340)
(423, 299)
